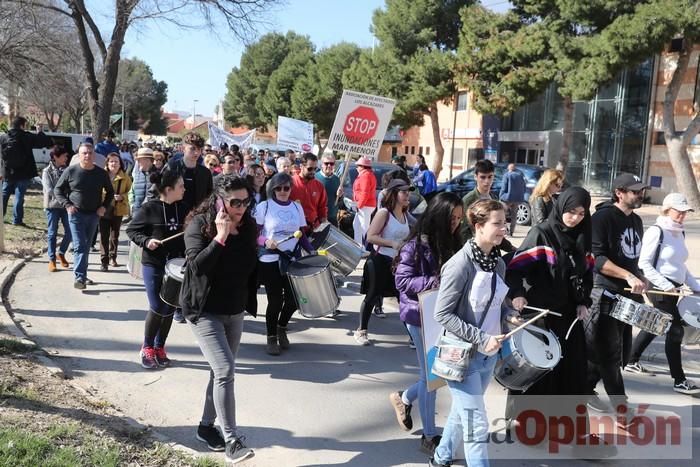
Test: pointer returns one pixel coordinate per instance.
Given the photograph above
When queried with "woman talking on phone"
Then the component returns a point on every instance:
(219, 285)
(155, 221)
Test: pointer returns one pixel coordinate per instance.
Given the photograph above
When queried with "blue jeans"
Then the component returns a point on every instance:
(83, 226)
(53, 216)
(19, 188)
(468, 415)
(152, 281)
(419, 389)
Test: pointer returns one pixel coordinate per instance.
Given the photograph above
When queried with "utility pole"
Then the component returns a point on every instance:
(194, 114)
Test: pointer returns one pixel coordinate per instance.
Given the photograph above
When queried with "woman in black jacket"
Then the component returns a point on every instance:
(555, 260)
(153, 222)
(219, 285)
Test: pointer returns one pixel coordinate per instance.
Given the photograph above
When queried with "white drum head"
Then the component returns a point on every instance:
(540, 349)
(689, 304)
(691, 318)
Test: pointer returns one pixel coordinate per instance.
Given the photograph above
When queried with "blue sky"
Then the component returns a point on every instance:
(195, 63)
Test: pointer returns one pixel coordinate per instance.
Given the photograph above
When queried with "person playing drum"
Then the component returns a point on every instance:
(555, 260)
(153, 222)
(616, 243)
(473, 290)
(433, 241)
(219, 285)
(662, 260)
(278, 219)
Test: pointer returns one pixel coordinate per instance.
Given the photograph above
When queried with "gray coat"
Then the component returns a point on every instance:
(453, 309)
(49, 178)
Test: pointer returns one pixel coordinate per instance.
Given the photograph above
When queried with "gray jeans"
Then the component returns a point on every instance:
(219, 337)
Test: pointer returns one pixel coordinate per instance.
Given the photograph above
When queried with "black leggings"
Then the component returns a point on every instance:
(281, 303)
(674, 337)
(377, 282)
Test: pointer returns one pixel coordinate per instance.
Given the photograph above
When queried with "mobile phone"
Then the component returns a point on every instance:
(219, 205)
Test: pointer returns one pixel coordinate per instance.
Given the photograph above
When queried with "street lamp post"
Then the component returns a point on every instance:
(194, 114)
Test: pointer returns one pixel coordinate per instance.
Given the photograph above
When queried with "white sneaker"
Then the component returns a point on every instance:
(361, 337)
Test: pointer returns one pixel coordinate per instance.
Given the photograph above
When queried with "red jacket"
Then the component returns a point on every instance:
(312, 196)
(364, 190)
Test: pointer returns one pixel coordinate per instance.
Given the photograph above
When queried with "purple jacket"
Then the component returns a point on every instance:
(413, 277)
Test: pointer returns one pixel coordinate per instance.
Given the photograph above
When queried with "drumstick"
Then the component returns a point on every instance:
(527, 323)
(661, 292)
(570, 328)
(542, 309)
(296, 234)
(171, 237)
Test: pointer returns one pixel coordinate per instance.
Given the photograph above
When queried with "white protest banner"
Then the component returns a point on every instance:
(360, 124)
(218, 136)
(294, 134)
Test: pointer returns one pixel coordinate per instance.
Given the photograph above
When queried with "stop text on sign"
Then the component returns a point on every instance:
(361, 125)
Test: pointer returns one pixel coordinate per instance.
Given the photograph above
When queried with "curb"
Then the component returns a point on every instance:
(41, 356)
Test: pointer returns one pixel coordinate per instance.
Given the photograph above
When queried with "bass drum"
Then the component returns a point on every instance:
(172, 282)
(133, 263)
(344, 254)
(689, 309)
(526, 357)
(313, 286)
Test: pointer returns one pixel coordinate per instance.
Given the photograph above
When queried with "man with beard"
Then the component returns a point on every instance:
(310, 192)
(617, 242)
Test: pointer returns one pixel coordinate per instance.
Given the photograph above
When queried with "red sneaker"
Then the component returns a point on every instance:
(161, 356)
(148, 358)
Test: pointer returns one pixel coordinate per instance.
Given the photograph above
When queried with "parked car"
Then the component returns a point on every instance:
(464, 183)
(417, 202)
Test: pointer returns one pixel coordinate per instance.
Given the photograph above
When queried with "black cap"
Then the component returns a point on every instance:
(628, 181)
(398, 184)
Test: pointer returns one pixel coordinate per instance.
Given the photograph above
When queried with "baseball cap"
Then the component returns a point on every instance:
(628, 181)
(144, 152)
(398, 184)
(88, 140)
(364, 161)
(676, 201)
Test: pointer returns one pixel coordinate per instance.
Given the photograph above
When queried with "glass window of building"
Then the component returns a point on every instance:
(461, 101)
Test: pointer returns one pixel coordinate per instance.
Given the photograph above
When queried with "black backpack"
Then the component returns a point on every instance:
(11, 151)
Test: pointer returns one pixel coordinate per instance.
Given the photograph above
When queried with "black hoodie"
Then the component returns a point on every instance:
(618, 238)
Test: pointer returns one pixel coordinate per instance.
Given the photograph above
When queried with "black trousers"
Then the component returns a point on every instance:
(674, 337)
(608, 342)
(109, 238)
(377, 283)
(281, 303)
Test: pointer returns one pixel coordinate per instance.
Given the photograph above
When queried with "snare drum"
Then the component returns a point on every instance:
(172, 282)
(526, 357)
(645, 317)
(689, 309)
(133, 263)
(344, 254)
(313, 286)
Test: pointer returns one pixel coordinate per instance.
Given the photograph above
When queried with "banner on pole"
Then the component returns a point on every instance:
(218, 136)
(294, 134)
(360, 124)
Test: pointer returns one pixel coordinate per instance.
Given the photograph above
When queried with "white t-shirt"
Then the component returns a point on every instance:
(480, 294)
(279, 221)
(395, 231)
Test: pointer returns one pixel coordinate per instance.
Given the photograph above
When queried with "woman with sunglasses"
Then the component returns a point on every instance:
(256, 179)
(219, 285)
(158, 160)
(387, 232)
(155, 221)
(278, 219)
(542, 197)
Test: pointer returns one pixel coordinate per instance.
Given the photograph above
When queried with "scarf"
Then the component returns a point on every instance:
(669, 224)
(486, 262)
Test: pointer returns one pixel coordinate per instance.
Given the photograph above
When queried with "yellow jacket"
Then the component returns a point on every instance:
(121, 185)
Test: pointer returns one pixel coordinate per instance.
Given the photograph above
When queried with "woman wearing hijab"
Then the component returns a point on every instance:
(555, 260)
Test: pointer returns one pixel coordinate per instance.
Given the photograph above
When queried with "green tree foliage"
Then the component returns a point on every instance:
(247, 101)
(414, 62)
(316, 94)
(142, 96)
(508, 59)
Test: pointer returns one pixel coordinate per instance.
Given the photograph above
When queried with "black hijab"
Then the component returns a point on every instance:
(576, 242)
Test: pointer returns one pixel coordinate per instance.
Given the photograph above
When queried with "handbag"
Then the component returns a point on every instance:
(453, 354)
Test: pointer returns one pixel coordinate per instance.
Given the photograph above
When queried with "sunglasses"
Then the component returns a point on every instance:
(329, 163)
(285, 188)
(239, 203)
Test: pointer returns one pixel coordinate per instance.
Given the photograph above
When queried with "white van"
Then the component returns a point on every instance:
(70, 141)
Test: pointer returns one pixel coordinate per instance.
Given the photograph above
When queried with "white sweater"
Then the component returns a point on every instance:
(671, 262)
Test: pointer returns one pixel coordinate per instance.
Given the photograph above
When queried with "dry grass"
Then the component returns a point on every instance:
(30, 240)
